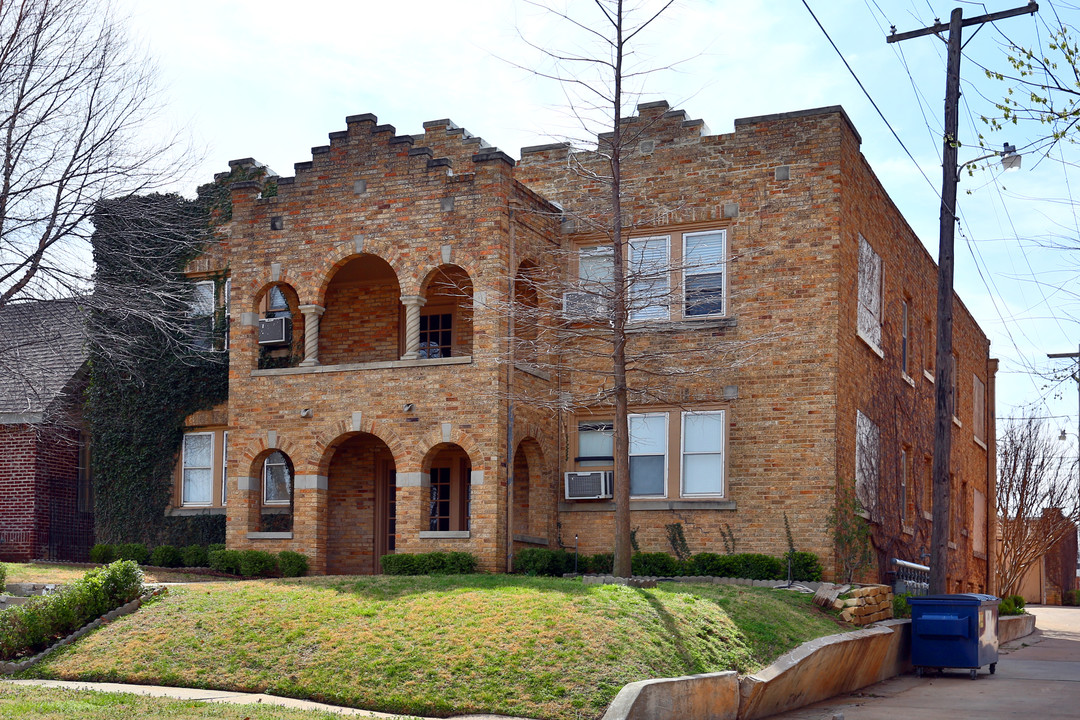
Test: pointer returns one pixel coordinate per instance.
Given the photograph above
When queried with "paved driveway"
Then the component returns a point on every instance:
(1038, 678)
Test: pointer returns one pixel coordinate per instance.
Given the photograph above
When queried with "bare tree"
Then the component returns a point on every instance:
(75, 95)
(1037, 499)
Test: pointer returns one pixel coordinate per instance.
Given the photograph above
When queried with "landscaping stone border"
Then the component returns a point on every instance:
(10, 668)
(1012, 627)
(650, 581)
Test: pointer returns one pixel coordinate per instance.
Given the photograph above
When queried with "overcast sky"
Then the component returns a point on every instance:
(270, 79)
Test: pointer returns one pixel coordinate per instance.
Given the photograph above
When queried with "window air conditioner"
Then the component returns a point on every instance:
(589, 485)
(584, 306)
(275, 331)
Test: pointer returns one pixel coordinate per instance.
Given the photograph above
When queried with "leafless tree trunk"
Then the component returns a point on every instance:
(1036, 499)
(75, 98)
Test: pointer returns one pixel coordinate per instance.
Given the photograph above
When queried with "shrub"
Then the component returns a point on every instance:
(1012, 605)
(543, 561)
(195, 556)
(761, 567)
(3, 576)
(601, 563)
(656, 564)
(436, 563)
(31, 627)
(226, 561)
(1071, 597)
(713, 565)
(804, 566)
(166, 556)
(136, 552)
(292, 564)
(257, 563)
(214, 546)
(900, 607)
(1018, 601)
(102, 554)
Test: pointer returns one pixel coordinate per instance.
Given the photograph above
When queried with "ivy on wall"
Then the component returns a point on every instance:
(148, 368)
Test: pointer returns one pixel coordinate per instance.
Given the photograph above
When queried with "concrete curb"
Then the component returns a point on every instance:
(1012, 627)
(712, 696)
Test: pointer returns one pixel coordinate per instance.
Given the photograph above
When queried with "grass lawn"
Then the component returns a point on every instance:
(40, 703)
(59, 574)
(535, 647)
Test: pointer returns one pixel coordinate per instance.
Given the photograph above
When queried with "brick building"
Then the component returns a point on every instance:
(46, 507)
(400, 401)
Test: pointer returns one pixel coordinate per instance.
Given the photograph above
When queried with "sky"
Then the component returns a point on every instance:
(270, 79)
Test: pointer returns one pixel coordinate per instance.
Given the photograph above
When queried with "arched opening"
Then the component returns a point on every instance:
(522, 489)
(276, 493)
(449, 497)
(446, 326)
(532, 505)
(362, 318)
(281, 327)
(362, 486)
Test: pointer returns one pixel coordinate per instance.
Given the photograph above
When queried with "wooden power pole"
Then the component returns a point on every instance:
(943, 371)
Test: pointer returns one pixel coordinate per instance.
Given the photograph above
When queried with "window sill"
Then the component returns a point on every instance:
(979, 442)
(352, 367)
(646, 505)
(870, 344)
(640, 326)
(908, 379)
(908, 530)
(956, 422)
(952, 545)
(269, 536)
(532, 370)
(978, 554)
(530, 540)
(193, 510)
(928, 516)
(928, 375)
(444, 535)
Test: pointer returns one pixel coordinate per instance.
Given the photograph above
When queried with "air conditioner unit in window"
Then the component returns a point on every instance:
(585, 306)
(275, 331)
(589, 485)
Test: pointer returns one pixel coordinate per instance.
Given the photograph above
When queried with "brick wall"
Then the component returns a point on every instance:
(19, 493)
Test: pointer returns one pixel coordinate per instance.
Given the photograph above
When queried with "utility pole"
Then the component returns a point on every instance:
(943, 371)
(1076, 377)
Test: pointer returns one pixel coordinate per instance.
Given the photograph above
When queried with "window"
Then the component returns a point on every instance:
(703, 453)
(596, 442)
(869, 320)
(978, 401)
(226, 302)
(277, 480)
(867, 462)
(436, 336)
(201, 314)
(277, 305)
(928, 487)
(595, 267)
(703, 273)
(978, 531)
(450, 495)
(954, 376)
(197, 463)
(224, 467)
(648, 277)
(648, 455)
(905, 493)
(439, 504)
(929, 349)
(905, 341)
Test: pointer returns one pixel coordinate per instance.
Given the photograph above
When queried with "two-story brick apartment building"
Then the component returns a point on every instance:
(397, 417)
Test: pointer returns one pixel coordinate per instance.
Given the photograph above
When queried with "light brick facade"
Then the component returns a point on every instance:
(380, 237)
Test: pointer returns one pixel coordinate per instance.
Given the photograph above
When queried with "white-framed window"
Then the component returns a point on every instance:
(703, 453)
(595, 266)
(704, 273)
(648, 273)
(201, 313)
(869, 320)
(978, 402)
(224, 467)
(277, 479)
(596, 443)
(867, 462)
(905, 498)
(648, 455)
(197, 462)
(905, 337)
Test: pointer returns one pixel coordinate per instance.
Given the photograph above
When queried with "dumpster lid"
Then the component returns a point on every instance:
(954, 599)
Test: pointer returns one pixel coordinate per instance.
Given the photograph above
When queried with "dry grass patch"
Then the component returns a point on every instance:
(60, 574)
(532, 647)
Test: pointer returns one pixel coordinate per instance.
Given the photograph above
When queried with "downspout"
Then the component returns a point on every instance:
(990, 418)
(511, 257)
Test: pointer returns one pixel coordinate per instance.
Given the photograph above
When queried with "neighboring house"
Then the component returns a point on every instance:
(380, 400)
(1054, 573)
(46, 505)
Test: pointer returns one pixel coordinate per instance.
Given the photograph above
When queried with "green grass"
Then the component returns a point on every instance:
(60, 574)
(535, 647)
(23, 702)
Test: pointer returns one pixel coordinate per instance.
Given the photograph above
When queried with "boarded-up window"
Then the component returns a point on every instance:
(867, 462)
(978, 511)
(978, 401)
(869, 321)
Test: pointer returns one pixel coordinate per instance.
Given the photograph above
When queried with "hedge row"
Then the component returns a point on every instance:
(258, 563)
(804, 567)
(161, 556)
(33, 626)
(249, 563)
(435, 563)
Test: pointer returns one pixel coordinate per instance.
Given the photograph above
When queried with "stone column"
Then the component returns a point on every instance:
(311, 313)
(412, 304)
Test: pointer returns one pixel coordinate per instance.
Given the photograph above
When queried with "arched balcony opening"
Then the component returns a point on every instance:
(281, 327)
(446, 316)
(361, 322)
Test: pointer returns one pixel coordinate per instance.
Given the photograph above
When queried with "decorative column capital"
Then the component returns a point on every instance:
(416, 301)
(315, 310)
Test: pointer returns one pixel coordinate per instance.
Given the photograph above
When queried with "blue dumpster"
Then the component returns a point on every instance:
(954, 631)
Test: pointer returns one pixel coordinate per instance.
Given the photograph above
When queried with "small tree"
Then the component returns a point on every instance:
(1037, 500)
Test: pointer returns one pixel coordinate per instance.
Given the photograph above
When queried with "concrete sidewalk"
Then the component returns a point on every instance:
(1038, 678)
(225, 696)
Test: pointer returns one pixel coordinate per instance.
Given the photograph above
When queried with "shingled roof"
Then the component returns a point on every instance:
(42, 348)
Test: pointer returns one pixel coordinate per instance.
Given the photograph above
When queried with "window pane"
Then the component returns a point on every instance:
(595, 265)
(704, 252)
(703, 473)
(648, 276)
(595, 439)
(202, 300)
(278, 479)
(703, 433)
(197, 484)
(647, 475)
(276, 300)
(705, 294)
(197, 450)
(648, 435)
